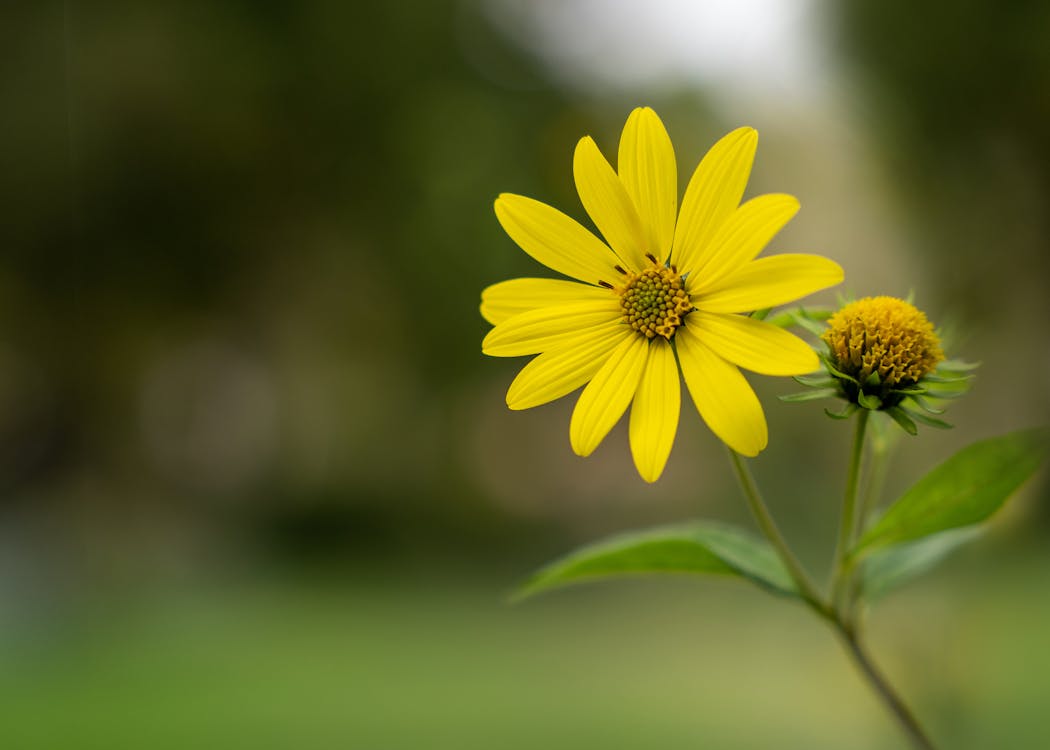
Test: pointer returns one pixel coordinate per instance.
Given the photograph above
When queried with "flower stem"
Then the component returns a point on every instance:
(769, 529)
(878, 461)
(848, 523)
(841, 622)
(878, 681)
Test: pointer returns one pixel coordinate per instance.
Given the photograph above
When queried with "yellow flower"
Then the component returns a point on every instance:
(883, 335)
(669, 292)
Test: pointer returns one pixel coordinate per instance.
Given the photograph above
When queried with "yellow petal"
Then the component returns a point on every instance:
(561, 371)
(714, 192)
(647, 168)
(535, 331)
(770, 281)
(508, 298)
(606, 397)
(654, 411)
(721, 394)
(555, 240)
(607, 203)
(754, 344)
(740, 238)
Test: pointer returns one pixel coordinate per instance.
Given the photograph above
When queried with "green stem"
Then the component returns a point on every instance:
(878, 681)
(848, 523)
(878, 463)
(769, 529)
(877, 466)
(842, 624)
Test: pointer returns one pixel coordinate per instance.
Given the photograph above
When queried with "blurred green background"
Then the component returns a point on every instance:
(260, 488)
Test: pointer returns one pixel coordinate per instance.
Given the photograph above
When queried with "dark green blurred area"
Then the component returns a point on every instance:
(259, 486)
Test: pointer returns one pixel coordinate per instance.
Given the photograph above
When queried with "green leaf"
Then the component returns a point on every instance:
(888, 568)
(697, 547)
(964, 490)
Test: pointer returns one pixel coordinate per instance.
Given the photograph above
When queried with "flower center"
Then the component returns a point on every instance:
(654, 301)
(884, 335)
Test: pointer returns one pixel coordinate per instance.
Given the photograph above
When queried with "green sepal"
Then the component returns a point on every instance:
(846, 413)
(944, 395)
(909, 389)
(957, 365)
(925, 405)
(810, 320)
(795, 398)
(838, 373)
(872, 403)
(940, 424)
(761, 314)
(815, 381)
(699, 547)
(946, 378)
(806, 322)
(874, 379)
(903, 420)
(817, 314)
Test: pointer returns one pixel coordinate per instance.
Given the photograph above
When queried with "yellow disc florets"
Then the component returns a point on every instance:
(884, 335)
(654, 301)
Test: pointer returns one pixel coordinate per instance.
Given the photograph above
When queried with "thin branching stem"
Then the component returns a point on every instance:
(839, 620)
(769, 529)
(890, 698)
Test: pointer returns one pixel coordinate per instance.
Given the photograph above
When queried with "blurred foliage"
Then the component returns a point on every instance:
(951, 93)
(243, 249)
(243, 245)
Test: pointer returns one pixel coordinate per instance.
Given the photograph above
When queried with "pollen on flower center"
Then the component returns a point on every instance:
(884, 335)
(654, 301)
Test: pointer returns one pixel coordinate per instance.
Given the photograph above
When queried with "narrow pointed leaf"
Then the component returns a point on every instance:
(964, 490)
(698, 548)
(889, 567)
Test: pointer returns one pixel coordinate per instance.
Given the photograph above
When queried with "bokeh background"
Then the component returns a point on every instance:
(259, 485)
